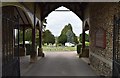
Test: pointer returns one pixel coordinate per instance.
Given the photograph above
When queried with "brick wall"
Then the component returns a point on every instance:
(101, 16)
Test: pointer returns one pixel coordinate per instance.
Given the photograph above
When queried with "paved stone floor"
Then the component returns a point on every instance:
(56, 64)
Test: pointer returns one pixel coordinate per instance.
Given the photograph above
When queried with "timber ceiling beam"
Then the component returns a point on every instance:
(26, 17)
(19, 15)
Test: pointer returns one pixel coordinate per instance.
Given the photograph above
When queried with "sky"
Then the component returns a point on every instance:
(56, 21)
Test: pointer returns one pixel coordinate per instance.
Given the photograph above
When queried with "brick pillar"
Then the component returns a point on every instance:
(40, 49)
(83, 43)
(83, 39)
(23, 36)
(33, 54)
(83, 36)
(23, 49)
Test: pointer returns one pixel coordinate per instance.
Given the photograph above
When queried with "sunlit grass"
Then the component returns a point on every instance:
(59, 48)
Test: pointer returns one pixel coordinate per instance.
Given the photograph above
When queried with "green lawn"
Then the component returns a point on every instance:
(59, 48)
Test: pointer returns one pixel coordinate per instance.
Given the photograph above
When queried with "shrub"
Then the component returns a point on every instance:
(87, 44)
(59, 44)
(79, 46)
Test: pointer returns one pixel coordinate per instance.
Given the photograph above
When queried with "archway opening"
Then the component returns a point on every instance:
(63, 63)
(65, 27)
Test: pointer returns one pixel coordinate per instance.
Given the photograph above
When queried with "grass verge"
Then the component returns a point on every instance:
(59, 48)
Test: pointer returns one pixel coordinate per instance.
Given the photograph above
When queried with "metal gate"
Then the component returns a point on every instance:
(10, 57)
(116, 47)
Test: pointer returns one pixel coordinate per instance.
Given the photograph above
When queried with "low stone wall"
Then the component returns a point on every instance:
(101, 65)
(84, 53)
(22, 51)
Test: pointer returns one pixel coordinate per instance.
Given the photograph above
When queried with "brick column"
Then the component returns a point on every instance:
(83, 43)
(23, 36)
(40, 49)
(33, 54)
(22, 49)
(83, 37)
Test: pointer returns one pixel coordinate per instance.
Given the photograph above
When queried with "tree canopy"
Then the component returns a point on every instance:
(86, 37)
(48, 37)
(67, 35)
(28, 35)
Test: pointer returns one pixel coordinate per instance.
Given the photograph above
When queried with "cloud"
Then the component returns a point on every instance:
(56, 21)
